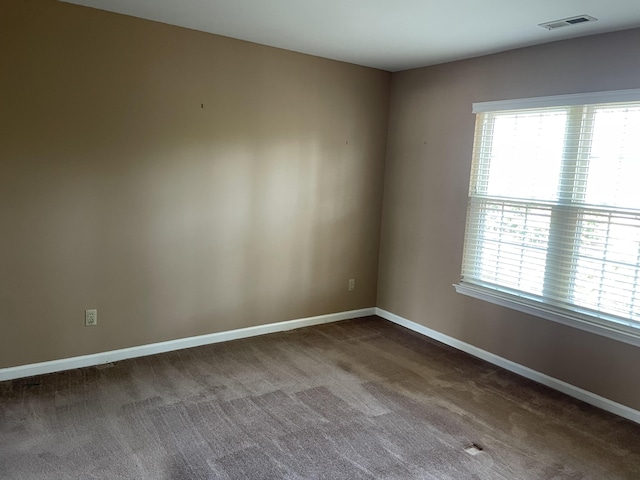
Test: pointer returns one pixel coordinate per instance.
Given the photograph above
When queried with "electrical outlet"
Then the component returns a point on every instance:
(91, 318)
(352, 284)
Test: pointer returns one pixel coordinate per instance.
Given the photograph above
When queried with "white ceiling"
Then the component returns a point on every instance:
(387, 34)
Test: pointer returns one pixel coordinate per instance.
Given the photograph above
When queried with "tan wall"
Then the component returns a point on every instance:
(426, 184)
(119, 192)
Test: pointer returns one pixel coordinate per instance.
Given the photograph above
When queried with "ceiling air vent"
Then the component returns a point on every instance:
(566, 22)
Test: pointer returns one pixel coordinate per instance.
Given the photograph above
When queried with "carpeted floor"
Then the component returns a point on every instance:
(350, 400)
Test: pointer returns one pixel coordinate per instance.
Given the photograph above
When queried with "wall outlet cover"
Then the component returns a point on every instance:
(91, 317)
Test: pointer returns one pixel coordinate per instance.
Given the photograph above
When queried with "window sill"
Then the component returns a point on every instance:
(624, 333)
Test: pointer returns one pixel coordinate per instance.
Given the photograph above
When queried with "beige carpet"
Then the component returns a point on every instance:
(350, 400)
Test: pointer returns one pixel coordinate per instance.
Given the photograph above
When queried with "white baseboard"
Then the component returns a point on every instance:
(30, 370)
(566, 388)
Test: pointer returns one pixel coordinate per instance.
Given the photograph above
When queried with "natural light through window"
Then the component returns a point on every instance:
(553, 220)
(536, 140)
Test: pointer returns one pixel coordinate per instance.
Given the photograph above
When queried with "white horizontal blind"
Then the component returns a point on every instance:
(554, 208)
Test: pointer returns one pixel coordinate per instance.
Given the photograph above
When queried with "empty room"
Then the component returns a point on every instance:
(319, 240)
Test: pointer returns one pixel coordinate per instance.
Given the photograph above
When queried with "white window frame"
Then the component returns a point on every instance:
(618, 330)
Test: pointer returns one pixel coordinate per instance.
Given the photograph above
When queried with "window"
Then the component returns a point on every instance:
(553, 222)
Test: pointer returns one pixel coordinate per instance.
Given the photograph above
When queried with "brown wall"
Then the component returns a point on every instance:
(119, 192)
(426, 184)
